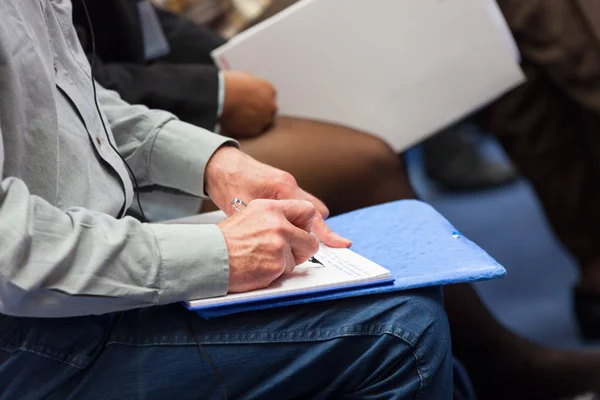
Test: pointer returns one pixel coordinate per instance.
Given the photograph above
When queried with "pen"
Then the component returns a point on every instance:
(239, 205)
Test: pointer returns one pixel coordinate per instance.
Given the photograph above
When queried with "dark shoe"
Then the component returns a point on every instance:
(454, 160)
(587, 312)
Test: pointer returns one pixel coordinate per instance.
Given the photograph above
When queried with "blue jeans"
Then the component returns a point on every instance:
(394, 346)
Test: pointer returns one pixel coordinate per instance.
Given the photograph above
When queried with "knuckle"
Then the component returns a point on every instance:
(309, 206)
(280, 227)
(276, 267)
(276, 225)
(259, 204)
(271, 205)
(277, 248)
(287, 178)
(278, 244)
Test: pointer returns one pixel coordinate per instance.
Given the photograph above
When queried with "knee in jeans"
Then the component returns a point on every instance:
(419, 318)
(419, 322)
(433, 348)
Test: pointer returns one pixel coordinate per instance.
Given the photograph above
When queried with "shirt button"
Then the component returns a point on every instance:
(98, 141)
(55, 68)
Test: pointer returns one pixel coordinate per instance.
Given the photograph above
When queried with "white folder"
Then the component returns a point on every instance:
(398, 69)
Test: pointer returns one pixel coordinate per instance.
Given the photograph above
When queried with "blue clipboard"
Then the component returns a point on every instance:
(409, 238)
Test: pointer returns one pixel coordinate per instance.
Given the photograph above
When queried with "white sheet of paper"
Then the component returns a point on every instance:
(502, 25)
(400, 70)
(341, 268)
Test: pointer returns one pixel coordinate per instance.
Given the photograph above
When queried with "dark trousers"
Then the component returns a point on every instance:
(550, 126)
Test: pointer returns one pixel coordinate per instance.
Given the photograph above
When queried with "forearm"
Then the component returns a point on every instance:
(79, 262)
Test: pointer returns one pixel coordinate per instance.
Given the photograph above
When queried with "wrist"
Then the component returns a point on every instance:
(219, 168)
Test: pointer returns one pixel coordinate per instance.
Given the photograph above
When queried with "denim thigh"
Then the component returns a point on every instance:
(393, 346)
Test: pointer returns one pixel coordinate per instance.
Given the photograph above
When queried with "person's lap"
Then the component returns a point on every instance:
(380, 347)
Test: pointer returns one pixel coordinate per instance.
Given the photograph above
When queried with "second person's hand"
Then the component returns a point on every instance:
(249, 105)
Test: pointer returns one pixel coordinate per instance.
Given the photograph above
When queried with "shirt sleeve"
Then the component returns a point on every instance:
(56, 263)
(160, 149)
(78, 262)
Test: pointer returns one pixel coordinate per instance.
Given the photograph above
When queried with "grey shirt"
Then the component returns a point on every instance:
(63, 249)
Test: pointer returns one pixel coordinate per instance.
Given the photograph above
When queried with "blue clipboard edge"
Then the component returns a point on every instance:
(347, 288)
(219, 311)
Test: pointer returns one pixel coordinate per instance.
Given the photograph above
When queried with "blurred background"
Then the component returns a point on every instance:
(482, 195)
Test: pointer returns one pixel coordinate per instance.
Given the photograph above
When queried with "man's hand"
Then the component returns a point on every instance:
(266, 240)
(231, 173)
(249, 106)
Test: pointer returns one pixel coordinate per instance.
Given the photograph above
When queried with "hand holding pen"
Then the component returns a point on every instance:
(266, 239)
(240, 205)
